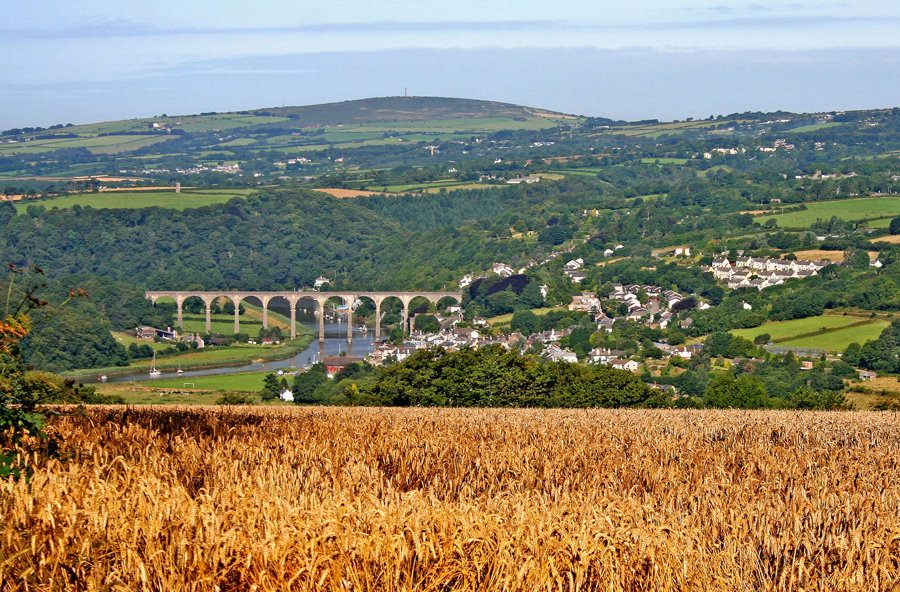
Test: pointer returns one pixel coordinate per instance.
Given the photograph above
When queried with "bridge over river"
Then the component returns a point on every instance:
(292, 298)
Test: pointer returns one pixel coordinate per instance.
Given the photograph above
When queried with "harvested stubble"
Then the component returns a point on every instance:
(441, 499)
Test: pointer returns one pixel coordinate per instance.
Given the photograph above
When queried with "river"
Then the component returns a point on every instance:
(335, 343)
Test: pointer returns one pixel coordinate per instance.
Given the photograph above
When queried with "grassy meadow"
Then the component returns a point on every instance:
(504, 319)
(250, 382)
(785, 329)
(837, 338)
(349, 498)
(846, 209)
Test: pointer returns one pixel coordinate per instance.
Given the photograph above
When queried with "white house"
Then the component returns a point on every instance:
(683, 351)
(573, 264)
(503, 270)
(584, 302)
(287, 395)
(600, 355)
(629, 365)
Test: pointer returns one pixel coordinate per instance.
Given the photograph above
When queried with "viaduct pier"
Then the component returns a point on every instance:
(293, 298)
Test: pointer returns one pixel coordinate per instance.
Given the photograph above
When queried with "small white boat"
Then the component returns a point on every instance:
(153, 370)
(103, 378)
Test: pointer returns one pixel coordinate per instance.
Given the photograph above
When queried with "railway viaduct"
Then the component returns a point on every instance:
(292, 298)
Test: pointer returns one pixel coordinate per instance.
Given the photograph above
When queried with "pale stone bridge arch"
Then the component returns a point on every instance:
(349, 297)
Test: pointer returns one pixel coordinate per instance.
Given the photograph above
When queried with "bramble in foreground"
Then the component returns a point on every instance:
(462, 499)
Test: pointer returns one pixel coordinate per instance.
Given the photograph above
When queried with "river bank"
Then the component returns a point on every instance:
(219, 357)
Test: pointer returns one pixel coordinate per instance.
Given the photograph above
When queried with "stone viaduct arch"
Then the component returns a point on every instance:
(349, 297)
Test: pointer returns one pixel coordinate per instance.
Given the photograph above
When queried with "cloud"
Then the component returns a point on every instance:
(716, 18)
(122, 28)
(636, 83)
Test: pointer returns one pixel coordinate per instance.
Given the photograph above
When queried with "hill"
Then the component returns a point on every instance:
(395, 109)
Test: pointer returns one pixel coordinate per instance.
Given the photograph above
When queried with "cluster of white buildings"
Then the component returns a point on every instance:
(195, 170)
(451, 338)
(656, 311)
(761, 272)
(728, 151)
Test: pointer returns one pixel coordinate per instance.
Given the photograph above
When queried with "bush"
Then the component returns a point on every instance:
(236, 399)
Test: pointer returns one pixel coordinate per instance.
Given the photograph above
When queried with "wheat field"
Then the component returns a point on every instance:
(448, 499)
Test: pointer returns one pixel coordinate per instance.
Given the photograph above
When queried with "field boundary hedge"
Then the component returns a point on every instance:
(823, 331)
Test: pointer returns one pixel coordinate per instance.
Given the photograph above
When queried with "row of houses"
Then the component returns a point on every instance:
(761, 272)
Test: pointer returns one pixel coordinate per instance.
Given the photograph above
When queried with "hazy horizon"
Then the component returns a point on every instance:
(67, 63)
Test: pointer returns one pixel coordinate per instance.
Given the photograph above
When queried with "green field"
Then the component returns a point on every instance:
(816, 127)
(141, 199)
(97, 145)
(502, 319)
(785, 329)
(127, 340)
(847, 209)
(222, 324)
(839, 340)
(678, 161)
(246, 382)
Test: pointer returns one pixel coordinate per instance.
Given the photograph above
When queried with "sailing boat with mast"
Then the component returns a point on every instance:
(153, 370)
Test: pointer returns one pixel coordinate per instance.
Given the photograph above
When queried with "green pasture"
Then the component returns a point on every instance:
(816, 127)
(238, 142)
(847, 209)
(144, 394)
(210, 356)
(505, 319)
(141, 199)
(245, 382)
(222, 324)
(127, 340)
(720, 167)
(785, 329)
(839, 340)
(435, 186)
(104, 144)
(223, 122)
(678, 161)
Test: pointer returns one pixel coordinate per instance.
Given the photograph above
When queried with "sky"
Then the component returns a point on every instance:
(80, 62)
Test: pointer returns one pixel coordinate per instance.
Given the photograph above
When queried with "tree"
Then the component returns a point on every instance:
(806, 398)
(426, 323)
(502, 303)
(305, 384)
(746, 392)
(894, 227)
(271, 388)
(525, 322)
(676, 337)
(856, 258)
(531, 296)
(762, 338)
(21, 398)
(717, 344)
